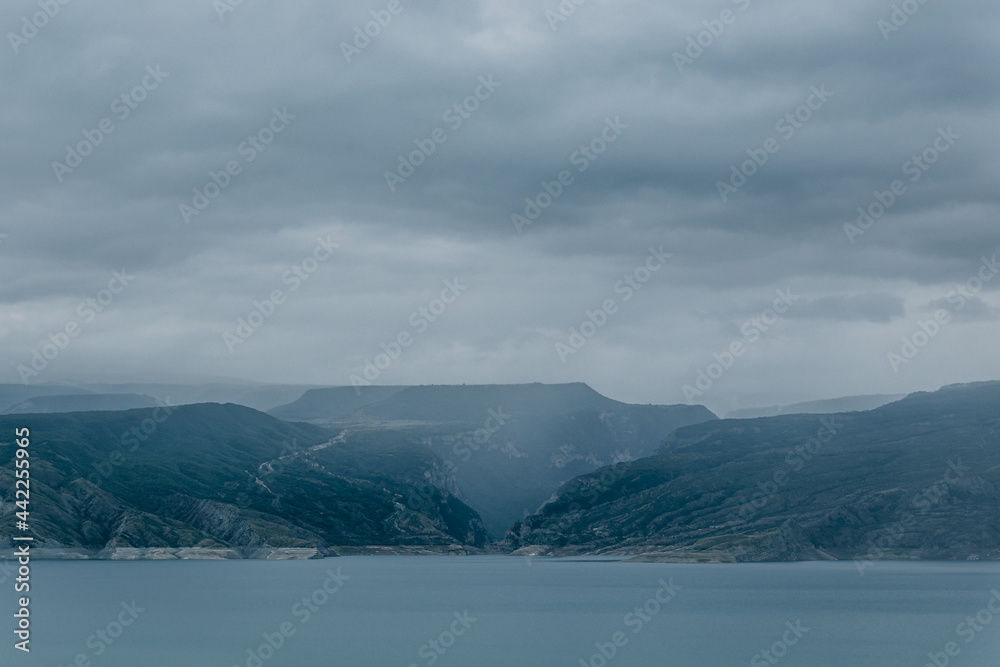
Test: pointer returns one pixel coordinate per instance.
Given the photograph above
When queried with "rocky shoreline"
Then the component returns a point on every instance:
(224, 553)
(166, 553)
(681, 555)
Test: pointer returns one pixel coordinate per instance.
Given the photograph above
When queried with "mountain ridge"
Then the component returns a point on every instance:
(916, 478)
(225, 477)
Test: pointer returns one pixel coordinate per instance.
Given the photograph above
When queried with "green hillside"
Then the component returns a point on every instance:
(224, 475)
(509, 446)
(918, 478)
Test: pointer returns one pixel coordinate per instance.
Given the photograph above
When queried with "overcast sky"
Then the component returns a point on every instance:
(663, 120)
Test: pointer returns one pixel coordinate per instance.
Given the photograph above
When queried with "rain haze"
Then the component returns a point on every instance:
(737, 203)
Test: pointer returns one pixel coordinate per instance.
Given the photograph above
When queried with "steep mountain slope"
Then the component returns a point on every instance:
(918, 478)
(511, 446)
(212, 475)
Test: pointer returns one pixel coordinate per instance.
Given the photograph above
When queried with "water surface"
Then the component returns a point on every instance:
(499, 611)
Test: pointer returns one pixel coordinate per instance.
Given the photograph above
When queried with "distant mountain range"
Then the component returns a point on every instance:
(527, 469)
(332, 403)
(917, 478)
(256, 396)
(844, 404)
(81, 403)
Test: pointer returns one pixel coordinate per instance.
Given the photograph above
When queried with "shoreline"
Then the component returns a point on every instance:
(312, 553)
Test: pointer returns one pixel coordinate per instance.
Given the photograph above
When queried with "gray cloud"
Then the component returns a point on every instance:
(877, 308)
(655, 185)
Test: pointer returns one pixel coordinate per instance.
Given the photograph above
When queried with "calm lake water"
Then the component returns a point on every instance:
(502, 611)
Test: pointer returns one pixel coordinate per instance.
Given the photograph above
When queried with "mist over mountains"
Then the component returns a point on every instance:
(252, 395)
(537, 469)
(842, 404)
(508, 446)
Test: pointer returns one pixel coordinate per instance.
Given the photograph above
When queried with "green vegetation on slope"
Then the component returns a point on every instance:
(224, 475)
(916, 478)
(509, 446)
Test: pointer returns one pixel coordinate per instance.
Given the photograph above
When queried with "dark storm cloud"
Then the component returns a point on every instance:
(850, 106)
